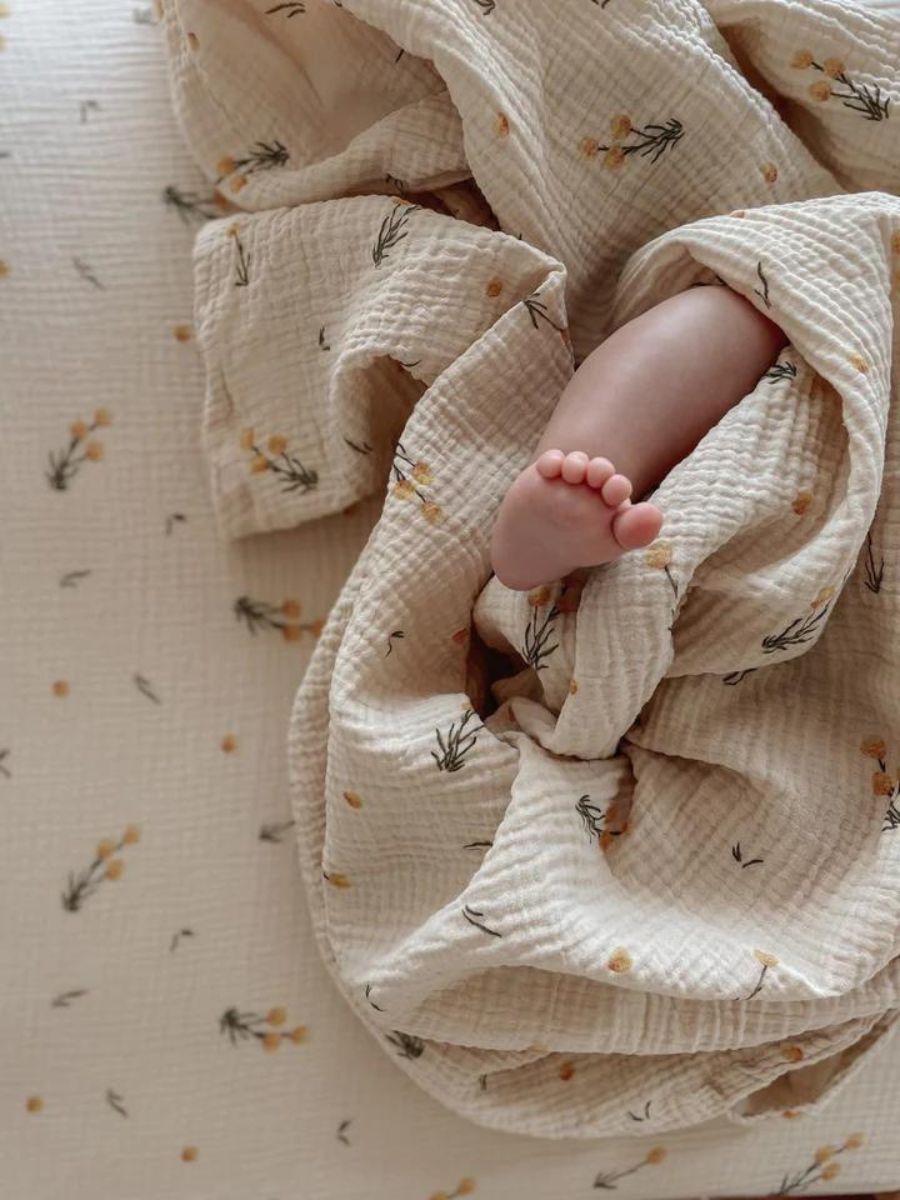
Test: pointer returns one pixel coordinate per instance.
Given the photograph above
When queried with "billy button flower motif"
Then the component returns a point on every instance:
(66, 463)
(104, 866)
(608, 1181)
(883, 783)
(802, 629)
(823, 1168)
(410, 477)
(863, 98)
(291, 472)
(266, 1030)
(767, 962)
(263, 156)
(659, 557)
(538, 643)
(650, 141)
(259, 614)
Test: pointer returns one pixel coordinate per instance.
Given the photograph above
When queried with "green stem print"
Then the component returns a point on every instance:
(874, 574)
(191, 205)
(458, 741)
(823, 1168)
(802, 629)
(407, 1045)
(609, 1180)
(65, 464)
(863, 98)
(105, 866)
(393, 230)
(244, 1026)
(293, 474)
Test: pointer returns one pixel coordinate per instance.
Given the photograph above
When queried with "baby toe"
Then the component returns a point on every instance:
(598, 471)
(637, 526)
(616, 491)
(550, 463)
(574, 467)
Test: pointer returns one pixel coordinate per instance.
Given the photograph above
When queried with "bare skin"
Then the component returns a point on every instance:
(636, 407)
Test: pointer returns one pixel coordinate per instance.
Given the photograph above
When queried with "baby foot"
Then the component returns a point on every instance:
(563, 512)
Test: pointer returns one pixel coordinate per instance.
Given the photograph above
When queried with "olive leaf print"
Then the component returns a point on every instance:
(802, 629)
(456, 744)
(293, 9)
(540, 630)
(145, 687)
(822, 1169)
(407, 1045)
(883, 783)
(767, 962)
(64, 999)
(486, 6)
(648, 141)
(293, 475)
(243, 1026)
(410, 477)
(342, 1132)
(105, 866)
(283, 618)
(86, 272)
(863, 98)
(275, 831)
(115, 1102)
(72, 578)
(393, 230)
(371, 1002)
(781, 370)
(475, 917)
(645, 1115)
(762, 292)
(392, 637)
(537, 312)
(592, 817)
(242, 264)
(4, 769)
(733, 678)
(609, 1180)
(191, 205)
(177, 937)
(738, 856)
(874, 574)
(263, 156)
(65, 464)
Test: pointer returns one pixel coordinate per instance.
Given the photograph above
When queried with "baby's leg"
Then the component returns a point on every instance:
(642, 401)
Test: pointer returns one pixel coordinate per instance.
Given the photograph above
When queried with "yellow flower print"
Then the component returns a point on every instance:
(465, 1187)
(620, 126)
(291, 609)
(115, 869)
(659, 555)
(61, 688)
(822, 597)
(769, 172)
(291, 633)
(403, 489)
(337, 880)
(65, 464)
(228, 744)
(277, 444)
(588, 147)
(433, 513)
(353, 799)
(859, 363)
(494, 287)
(614, 157)
(833, 67)
(34, 1104)
(82, 886)
(830, 1171)
(78, 430)
(501, 125)
(287, 468)
(801, 502)
(102, 418)
(801, 60)
(248, 437)
(882, 784)
(315, 627)
(765, 959)
(106, 849)
(820, 90)
(193, 42)
(874, 748)
(4, 269)
(792, 1054)
(854, 1141)
(539, 597)
(246, 1026)
(189, 1154)
(823, 1154)
(226, 165)
(573, 687)
(567, 1071)
(131, 836)
(237, 184)
(182, 333)
(620, 961)
(656, 1155)
(422, 473)
(259, 465)
(94, 451)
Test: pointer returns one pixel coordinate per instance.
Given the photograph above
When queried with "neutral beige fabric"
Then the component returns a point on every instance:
(717, 714)
(86, 766)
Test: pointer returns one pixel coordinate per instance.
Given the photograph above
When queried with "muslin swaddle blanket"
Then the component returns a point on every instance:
(622, 854)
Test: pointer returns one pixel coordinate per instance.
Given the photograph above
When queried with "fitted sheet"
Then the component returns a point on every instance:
(138, 702)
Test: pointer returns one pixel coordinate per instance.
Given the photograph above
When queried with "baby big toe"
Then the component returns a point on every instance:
(574, 467)
(616, 491)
